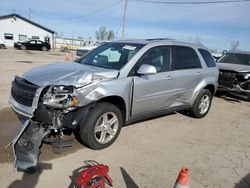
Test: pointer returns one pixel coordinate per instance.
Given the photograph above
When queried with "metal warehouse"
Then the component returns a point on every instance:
(15, 28)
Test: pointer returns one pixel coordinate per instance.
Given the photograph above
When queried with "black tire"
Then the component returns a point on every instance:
(2, 46)
(91, 136)
(23, 47)
(44, 48)
(196, 110)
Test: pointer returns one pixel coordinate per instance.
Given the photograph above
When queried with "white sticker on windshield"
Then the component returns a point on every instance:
(127, 47)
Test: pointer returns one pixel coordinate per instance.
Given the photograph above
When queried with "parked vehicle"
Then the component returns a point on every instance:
(83, 51)
(234, 74)
(2, 44)
(32, 45)
(115, 84)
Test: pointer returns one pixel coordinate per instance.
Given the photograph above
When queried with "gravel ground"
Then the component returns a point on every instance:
(150, 153)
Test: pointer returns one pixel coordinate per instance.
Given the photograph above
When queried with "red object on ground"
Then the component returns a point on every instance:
(94, 177)
(67, 57)
(183, 178)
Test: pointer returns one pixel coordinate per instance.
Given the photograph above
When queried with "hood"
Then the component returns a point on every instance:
(67, 73)
(234, 67)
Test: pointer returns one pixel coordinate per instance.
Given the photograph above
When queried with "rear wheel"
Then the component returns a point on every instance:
(23, 47)
(44, 48)
(202, 104)
(2, 46)
(102, 127)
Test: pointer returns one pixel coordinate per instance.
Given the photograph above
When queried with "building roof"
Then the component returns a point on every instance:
(25, 19)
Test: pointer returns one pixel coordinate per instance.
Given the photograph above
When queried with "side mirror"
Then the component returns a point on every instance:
(146, 69)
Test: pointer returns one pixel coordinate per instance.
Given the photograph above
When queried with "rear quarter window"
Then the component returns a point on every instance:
(209, 60)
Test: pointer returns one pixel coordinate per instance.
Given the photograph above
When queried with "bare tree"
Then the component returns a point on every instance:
(235, 45)
(101, 34)
(110, 35)
(104, 34)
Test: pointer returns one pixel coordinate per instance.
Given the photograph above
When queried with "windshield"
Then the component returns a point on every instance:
(111, 55)
(242, 59)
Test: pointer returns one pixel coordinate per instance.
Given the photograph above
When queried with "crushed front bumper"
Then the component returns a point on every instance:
(27, 144)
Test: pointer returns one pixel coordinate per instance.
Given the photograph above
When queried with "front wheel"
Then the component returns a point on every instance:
(23, 47)
(2, 46)
(202, 104)
(102, 127)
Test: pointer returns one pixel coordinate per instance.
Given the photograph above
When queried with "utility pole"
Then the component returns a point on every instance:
(124, 18)
(30, 13)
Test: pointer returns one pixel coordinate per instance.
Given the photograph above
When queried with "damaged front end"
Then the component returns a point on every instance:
(55, 111)
(235, 82)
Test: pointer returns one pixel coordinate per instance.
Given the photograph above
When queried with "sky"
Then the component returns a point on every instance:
(216, 26)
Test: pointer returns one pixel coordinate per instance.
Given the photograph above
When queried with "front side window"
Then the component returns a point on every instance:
(159, 57)
(209, 60)
(8, 36)
(241, 59)
(111, 55)
(32, 42)
(186, 58)
(22, 37)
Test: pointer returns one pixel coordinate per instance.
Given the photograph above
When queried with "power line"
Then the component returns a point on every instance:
(192, 2)
(81, 16)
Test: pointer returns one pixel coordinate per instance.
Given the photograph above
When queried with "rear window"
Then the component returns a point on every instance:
(209, 60)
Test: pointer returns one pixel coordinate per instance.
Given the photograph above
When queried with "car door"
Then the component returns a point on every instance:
(153, 92)
(39, 45)
(31, 45)
(188, 72)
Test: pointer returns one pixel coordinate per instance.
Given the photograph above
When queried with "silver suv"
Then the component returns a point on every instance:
(115, 84)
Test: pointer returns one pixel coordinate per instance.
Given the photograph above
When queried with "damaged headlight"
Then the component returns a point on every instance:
(61, 97)
(62, 89)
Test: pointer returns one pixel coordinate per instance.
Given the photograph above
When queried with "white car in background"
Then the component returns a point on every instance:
(83, 51)
(2, 44)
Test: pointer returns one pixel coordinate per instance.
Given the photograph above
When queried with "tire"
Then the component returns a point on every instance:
(44, 48)
(23, 47)
(202, 104)
(2, 46)
(98, 136)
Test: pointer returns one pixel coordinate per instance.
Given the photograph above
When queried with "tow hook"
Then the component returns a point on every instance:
(27, 144)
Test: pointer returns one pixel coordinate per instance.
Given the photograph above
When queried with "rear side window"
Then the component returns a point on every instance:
(186, 58)
(209, 60)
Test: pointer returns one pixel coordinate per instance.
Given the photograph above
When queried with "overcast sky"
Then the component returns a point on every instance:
(214, 25)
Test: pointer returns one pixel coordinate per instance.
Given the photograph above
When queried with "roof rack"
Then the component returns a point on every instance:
(158, 39)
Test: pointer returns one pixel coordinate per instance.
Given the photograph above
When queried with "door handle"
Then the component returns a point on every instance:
(169, 78)
(198, 74)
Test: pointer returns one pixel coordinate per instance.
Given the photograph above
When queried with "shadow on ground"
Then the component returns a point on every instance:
(244, 182)
(30, 180)
(129, 182)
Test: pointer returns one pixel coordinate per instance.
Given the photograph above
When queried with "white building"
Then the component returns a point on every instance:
(15, 28)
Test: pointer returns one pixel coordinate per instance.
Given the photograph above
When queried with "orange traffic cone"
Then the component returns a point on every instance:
(67, 57)
(183, 179)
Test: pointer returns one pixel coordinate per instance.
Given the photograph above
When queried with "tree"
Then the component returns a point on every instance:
(104, 34)
(111, 35)
(235, 45)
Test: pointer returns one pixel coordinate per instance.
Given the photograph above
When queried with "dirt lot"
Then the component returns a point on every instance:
(147, 154)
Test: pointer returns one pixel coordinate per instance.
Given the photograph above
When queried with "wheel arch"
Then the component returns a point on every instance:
(211, 88)
(117, 101)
